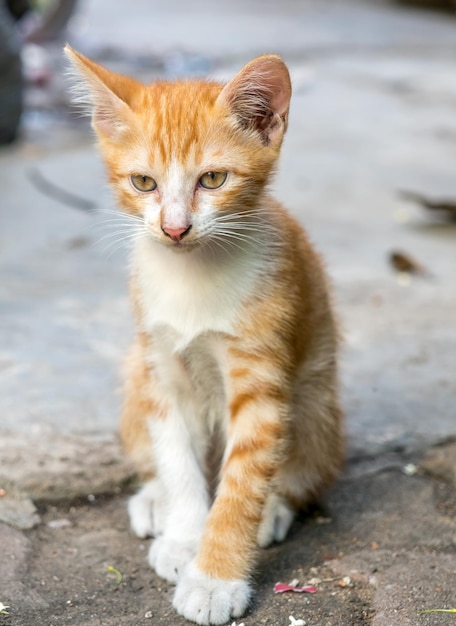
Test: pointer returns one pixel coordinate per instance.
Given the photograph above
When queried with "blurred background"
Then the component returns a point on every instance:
(368, 166)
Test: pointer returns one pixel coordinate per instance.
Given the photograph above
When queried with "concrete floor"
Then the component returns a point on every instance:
(372, 117)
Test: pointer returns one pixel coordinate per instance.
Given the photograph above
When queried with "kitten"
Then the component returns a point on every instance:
(231, 410)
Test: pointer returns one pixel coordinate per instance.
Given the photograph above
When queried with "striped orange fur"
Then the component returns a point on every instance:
(231, 410)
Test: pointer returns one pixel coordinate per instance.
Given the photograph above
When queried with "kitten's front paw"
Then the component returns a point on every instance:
(210, 601)
(146, 510)
(169, 558)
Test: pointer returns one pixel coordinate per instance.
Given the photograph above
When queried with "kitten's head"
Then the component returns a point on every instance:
(191, 158)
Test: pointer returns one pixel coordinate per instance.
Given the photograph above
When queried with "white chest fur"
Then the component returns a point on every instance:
(191, 294)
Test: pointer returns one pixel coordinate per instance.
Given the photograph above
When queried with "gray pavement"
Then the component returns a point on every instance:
(373, 115)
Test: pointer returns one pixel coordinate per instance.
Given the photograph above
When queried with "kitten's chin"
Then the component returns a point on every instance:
(179, 247)
(183, 248)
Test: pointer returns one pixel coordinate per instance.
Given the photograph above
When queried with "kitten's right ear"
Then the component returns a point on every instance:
(103, 94)
(259, 96)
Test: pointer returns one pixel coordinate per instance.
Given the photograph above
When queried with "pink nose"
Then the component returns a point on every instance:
(176, 234)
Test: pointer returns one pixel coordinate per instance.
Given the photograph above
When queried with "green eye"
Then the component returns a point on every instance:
(143, 183)
(212, 180)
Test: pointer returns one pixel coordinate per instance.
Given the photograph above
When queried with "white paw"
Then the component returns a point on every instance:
(146, 510)
(210, 601)
(277, 519)
(169, 558)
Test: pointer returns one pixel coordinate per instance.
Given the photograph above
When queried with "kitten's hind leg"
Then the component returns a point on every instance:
(278, 515)
(146, 510)
(314, 455)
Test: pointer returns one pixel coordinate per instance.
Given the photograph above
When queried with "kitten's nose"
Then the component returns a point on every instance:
(176, 234)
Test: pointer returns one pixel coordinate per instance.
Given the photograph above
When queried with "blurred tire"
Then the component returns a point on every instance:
(11, 81)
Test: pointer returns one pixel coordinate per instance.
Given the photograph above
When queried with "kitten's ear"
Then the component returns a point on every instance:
(102, 93)
(259, 96)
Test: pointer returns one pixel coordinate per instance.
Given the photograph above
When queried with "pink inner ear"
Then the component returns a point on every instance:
(109, 112)
(272, 73)
(280, 101)
(104, 122)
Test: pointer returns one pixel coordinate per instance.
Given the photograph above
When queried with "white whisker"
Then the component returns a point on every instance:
(219, 239)
(128, 237)
(247, 237)
(119, 231)
(116, 233)
(240, 236)
(121, 215)
(118, 244)
(242, 223)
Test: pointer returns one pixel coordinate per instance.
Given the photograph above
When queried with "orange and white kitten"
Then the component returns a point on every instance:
(231, 408)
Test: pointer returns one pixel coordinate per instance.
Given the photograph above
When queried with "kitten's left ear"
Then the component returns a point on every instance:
(107, 94)
(259, 96)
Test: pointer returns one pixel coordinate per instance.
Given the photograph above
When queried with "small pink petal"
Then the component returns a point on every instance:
(282, 587)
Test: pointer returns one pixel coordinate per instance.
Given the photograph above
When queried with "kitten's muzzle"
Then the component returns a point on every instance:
(176, 234)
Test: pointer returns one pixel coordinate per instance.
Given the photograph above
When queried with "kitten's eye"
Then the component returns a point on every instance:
(143, 183)
(212, 180)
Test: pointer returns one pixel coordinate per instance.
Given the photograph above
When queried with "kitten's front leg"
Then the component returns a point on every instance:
(187, 504)
(215, 586)
(158, 415)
